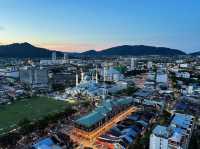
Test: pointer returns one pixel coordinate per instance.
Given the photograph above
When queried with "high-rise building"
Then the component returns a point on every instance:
(133, 63)
(35, 77)
(53, 55)
(40, 77)
(26, 76)
(65, 56)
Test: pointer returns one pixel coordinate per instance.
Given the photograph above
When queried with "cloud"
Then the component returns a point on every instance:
(75, 47)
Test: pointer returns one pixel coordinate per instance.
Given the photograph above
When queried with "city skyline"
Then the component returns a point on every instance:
(84, 25)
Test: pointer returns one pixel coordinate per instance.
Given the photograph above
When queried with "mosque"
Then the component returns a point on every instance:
(90, 85)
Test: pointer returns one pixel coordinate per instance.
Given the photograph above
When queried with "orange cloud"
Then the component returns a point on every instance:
(72, 47)
(68, 47)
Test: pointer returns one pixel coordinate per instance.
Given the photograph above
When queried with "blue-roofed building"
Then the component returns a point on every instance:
(130, 132)
(127, 138)
(182, 120)
(144, 93)
(143, 123)
(181, 106)
(104, 112)
(134, 117)
(115, 131)
(176, 135)
(46, 143)
(127, 130)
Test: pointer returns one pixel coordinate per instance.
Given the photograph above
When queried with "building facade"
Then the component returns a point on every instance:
(34, 77)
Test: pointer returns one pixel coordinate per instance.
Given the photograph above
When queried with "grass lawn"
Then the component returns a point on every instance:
(33, 108)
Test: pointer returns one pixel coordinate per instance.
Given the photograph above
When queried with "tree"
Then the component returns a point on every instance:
(25, 126)
(10, 138)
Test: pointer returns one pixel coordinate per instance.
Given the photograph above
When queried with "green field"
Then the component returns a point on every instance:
(32, 109)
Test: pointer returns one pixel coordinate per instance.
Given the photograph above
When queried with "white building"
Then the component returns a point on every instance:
(149, 65)
(10, 72)
(183, 75)
(90, 88)
(159, 138)
(65, 56)
(184, 65)
(179, 61)
(53, 62)
(53, 56)
(111, 74)
(176, 136)
(133, 63)
(161, 78)
(190, 89)
(87, 86)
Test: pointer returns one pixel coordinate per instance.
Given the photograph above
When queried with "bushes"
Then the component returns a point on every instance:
(25, 126)
(9, 139)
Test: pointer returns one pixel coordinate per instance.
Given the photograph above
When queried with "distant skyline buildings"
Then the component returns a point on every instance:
(82, 25)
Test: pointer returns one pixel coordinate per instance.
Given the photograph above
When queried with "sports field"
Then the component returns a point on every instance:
(33, 109)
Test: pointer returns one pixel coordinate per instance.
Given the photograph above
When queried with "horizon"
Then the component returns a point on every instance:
(38, 46)
(80, 26)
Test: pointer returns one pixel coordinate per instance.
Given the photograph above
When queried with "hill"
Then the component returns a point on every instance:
(195, 53)
(89, 53)
(137, 50)
(24, 50)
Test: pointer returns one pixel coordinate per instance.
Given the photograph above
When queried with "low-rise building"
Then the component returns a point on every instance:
(175, 136)
(183, 75)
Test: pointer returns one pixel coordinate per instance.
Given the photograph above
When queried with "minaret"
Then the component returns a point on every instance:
(92, 76)
(104, 74)
(76, 79)
(104, 92)
(82, 75)
(96, 75)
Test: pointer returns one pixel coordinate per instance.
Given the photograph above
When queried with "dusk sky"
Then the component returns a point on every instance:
(78, 25)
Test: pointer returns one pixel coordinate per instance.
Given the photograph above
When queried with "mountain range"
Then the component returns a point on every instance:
(26, 50)
(195, 53)
(136, 50)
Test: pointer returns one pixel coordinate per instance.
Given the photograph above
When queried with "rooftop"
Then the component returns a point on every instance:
(177, 135)
(101, 111)
(181, 120)
(144, 92)
(46, 143)
(161, 131)
(176, 130)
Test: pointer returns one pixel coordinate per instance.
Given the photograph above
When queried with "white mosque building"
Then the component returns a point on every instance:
(90, 86)
(87, 86)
